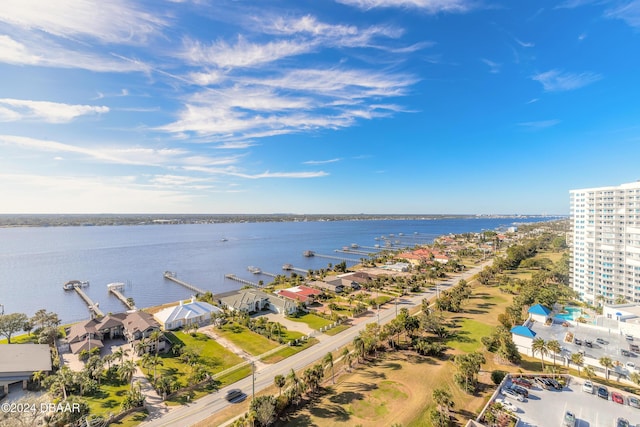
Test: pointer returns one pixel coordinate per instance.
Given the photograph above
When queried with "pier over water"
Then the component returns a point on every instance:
(115, 289)
(93, 307)
(173, 276)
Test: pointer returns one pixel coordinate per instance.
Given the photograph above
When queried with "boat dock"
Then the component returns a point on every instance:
(356, 261)
(269, 274)
(93, 306)
(243, 281)
(372, 248)
(290, 267)
(351, 251)
(173, 276)
(115, 289)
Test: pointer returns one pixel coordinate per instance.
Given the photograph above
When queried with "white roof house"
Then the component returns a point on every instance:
(185, 314)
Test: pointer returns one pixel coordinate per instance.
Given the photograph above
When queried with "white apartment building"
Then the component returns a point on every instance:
(605, 243)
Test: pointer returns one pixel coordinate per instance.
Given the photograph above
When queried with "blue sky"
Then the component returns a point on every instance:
(333, 106)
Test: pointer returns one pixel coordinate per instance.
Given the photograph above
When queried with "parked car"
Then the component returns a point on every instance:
(569, 420)
(625, 352)
(577, 341)
(588, 343)
(622, 422)
(603, 392)
(629, 337)
(554, 383)
(630, 366)
(601, 341)
(520, 390)
(587, 387)
(542, 382)
(633, 401)
(523, 382)
(507, 405)
(512, 394)
(617, 397)
(634, 348)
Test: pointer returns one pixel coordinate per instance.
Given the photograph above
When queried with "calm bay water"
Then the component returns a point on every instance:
(35, 262)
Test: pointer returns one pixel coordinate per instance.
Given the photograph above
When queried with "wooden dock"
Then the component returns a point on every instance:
(115, 289)
(352, 251)
(173, 276)
(355, 261)
(243, 281)
(270, 274)
(93, 307)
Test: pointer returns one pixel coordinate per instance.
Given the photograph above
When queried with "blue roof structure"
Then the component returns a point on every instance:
(539, 309)
(523, 331)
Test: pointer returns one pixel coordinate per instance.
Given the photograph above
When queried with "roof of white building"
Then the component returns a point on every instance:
(186, 311)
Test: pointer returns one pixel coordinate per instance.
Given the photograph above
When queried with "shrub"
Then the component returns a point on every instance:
(497, 376)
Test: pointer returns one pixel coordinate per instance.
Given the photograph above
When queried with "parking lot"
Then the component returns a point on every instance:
(614, 343)
(546, 408)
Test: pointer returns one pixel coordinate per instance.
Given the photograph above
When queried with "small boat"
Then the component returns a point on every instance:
(287, 266)
(71, 284)
(308, 253)
(354, 245)
(224, 239)
(254, 270)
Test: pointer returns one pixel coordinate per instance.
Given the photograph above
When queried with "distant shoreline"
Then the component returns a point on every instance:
(93, 220)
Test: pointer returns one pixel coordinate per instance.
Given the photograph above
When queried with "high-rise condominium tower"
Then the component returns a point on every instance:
(605, 244)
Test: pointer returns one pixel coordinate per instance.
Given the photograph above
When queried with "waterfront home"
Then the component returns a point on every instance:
(18, 362)
(254, 300)
(131, 326)
(398, 266)
(333, 285)
(301, 293)
(183, 314)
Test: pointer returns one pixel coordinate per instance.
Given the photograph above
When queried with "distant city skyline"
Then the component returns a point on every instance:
(341, 106)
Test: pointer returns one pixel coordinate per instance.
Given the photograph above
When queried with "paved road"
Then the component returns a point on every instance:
(212, 403)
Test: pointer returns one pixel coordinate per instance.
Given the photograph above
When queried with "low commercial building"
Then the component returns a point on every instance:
(539, 313)
(18, 362)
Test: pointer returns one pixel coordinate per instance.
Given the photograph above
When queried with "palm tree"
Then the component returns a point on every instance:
(635, 377)
(589, 371)
(443, 399)
(577, 359)
(607, 363)
(279, 381)
(553, 346)
(359, 346)
(38, 376)
(348, 357)
(126, 371)
(120, 353)
(539, 346)
(293, 379)
(328, 360)
(140, 347)
(155, 361)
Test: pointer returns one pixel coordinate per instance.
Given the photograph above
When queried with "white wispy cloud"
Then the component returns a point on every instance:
(242, 53)
(430, 6)
(494, 67)
(540, 124)
(322, 162)
(124, 155)
(51, 112)
(524, 44)
(45, 53)
(627, 11)
(557, 81)
(234, 171)
(113, 21)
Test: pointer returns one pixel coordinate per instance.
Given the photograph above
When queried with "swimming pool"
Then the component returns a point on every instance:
(572, 313)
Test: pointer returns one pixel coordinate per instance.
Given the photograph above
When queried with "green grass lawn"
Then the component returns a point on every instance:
(108, 399)
(468, 333)
(213, 355)
(314, 321)
(251, 342)
(336, 330)
(289, 351)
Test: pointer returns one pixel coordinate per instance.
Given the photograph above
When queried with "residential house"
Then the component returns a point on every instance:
(301, 293)
(254, 300)
(183, 314)
(333, 285)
